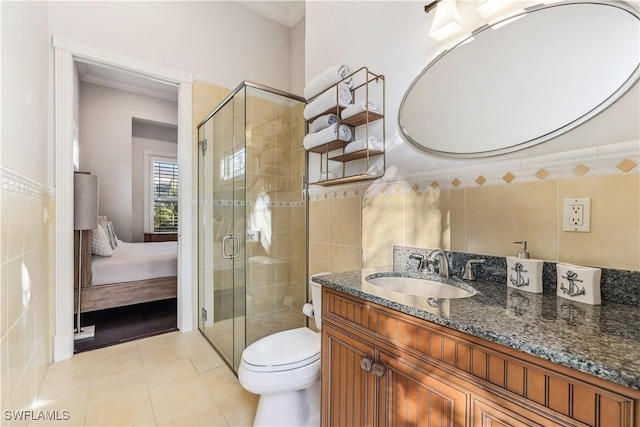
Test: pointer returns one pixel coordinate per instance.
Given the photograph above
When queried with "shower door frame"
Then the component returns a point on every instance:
(243, 86)
(208, 256)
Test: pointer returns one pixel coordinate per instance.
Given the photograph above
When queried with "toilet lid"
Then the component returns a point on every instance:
(283, 350)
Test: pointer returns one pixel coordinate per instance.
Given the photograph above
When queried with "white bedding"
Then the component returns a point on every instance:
(136, 261)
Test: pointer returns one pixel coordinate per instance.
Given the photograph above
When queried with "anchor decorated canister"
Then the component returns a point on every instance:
(578, 283)
(524, 274)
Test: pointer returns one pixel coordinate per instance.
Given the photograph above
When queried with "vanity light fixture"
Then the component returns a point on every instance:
(446, 21)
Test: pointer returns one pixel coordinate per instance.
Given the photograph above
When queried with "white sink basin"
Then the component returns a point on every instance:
(419, 287)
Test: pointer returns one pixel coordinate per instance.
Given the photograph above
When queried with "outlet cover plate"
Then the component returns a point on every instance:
(568, 224)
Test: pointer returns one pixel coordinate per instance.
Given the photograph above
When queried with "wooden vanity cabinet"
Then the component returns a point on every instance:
(385, 368)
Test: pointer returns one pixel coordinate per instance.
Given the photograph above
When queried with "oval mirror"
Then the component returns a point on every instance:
(523, 80)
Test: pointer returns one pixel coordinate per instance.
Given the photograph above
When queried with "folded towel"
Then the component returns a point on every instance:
(327, 175)
(332, 133)
(323, 122)
(359, 107)
(328, 100)
(361, 144)
(327, 78)
(374, 170)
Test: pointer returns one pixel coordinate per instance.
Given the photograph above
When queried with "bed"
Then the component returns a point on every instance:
(134, 274)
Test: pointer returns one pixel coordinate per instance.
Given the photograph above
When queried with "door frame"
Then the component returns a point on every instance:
(66, 52)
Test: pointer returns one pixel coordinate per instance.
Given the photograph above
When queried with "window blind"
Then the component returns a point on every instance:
(165, 196)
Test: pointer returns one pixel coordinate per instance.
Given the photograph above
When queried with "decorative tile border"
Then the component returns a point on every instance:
(14, 182)
(223, 202)
(614, 159)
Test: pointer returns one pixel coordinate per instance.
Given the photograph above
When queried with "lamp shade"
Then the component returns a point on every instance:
(85, 201)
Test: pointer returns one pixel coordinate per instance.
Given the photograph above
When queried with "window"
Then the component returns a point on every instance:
(162, 194)
(76, 149)
(232, 165)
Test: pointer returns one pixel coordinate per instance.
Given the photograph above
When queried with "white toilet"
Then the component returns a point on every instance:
(284, 369)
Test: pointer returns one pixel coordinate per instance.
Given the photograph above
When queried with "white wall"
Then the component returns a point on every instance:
(297, 58)
(106, 145)
(25, 90)
(391, 38)
(218, 41)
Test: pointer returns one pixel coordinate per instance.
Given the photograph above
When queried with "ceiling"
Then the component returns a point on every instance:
(288, 12)
(124, 80)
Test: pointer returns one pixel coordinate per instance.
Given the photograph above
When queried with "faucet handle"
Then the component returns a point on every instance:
(468, 269)
(422, 264)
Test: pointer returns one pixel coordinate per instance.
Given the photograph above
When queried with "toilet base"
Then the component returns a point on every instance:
(294, 408)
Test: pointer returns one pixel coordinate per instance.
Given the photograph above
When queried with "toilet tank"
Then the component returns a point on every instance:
(316, 298)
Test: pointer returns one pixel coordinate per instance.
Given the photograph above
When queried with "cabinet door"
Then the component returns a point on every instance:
(412, 395)
(485, 414)
(348, 390)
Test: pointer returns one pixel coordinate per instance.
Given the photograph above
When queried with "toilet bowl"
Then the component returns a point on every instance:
(284, 369)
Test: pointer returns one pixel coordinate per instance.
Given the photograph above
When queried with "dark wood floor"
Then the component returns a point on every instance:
(122, 324)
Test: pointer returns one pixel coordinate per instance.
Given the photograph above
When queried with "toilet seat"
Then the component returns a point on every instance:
(283, 351)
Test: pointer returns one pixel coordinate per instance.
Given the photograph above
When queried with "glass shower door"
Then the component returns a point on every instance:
(252, 234)
(221, 218)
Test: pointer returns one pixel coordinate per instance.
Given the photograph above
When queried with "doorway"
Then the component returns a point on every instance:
(66, 53)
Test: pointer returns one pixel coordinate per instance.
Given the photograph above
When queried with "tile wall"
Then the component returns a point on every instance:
(485, 212)
(25, 282)
(275, 164)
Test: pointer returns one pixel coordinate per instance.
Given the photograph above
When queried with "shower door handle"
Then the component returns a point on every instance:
(236, 246)
(224, 247)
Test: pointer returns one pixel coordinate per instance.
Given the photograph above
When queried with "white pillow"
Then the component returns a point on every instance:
(100, 242)
(102, 220)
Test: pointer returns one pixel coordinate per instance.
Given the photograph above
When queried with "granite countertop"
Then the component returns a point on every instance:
(603, 341)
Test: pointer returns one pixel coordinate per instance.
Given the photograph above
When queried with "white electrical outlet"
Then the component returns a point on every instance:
(576, 215)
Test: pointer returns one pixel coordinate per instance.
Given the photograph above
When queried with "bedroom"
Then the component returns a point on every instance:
(127, 137)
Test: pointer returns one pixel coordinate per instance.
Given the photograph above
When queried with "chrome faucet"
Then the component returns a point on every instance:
(440, 257)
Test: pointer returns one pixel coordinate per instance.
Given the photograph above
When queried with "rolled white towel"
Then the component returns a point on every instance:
(332, 133)
(361, 144)
(359, 107)
(327, 175)
(329, 99)
(323, 122)
(327, 78)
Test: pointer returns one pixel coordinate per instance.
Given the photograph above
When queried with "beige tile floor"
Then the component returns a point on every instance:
(173, 379)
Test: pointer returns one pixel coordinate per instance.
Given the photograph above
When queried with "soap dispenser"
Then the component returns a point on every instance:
(523, 272)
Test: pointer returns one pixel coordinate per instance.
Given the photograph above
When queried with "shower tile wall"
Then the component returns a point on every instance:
(276, 262)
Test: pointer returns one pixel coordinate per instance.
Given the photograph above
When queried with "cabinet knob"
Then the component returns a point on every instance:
(378, 369)
(366, 363)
